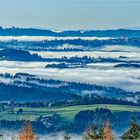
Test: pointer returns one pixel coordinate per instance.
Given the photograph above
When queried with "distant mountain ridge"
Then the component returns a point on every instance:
(133, 28)
(15, 31)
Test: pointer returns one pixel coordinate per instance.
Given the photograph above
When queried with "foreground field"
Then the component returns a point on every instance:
(66, 113)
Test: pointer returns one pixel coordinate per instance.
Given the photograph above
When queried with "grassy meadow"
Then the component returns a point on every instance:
(66, 113)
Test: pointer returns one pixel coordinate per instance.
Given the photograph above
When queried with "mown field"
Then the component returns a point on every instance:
(66, 113)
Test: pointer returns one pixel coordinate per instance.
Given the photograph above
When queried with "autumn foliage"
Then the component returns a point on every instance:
(26, 132)
(101, 133)
(107, 131)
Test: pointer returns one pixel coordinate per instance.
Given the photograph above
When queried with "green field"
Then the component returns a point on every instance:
(66, 113)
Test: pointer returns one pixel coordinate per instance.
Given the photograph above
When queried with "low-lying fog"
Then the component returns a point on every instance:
(40, 38)
(98, 73)
(53, 136)
(105, 51)
(101, 74)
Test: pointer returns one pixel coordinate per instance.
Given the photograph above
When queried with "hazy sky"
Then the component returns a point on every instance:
(70, 14)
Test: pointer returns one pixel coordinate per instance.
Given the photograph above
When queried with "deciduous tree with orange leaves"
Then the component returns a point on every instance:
(26, 132)
(107, 131)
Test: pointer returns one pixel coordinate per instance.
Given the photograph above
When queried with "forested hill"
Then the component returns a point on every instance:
(13, 31)
(26, 87)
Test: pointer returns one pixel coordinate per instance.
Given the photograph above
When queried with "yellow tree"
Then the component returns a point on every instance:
(26, 132)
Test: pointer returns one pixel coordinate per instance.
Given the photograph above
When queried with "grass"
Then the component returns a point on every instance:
(66, 113)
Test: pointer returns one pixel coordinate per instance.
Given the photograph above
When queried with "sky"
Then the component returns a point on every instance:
(70, 14)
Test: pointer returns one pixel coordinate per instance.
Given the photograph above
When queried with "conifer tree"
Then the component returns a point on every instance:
(133, 133)
(101, 133)
(67, 137)
(90, 133)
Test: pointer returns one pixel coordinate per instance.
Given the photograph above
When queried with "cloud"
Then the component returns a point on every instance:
(59, 136)
(133, 55)
(40, 38)
(97, 73)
